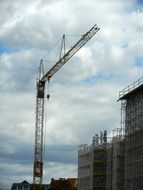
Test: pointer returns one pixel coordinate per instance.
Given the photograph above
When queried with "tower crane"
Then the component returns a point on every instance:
(40, 84)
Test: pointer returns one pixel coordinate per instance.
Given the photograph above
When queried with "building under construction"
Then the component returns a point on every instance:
(92, 163)
(116, 163)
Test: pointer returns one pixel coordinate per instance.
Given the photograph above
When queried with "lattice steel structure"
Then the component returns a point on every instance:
(38, 156)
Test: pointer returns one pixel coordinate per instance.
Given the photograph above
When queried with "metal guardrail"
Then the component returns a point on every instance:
(131, 87)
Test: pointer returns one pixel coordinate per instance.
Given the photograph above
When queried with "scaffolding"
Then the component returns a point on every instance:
(118, 163)
(84, 167)
(134, 160)
(109, 165)
(132, 121)
(92, 164)
(118, 160)
(99, 168)
(115, 161)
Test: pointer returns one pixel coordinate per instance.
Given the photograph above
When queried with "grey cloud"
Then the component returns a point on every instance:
(62, 154)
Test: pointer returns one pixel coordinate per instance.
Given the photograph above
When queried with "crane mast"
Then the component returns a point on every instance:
(40, 83)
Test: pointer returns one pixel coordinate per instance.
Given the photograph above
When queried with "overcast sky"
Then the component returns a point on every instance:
(83, 93)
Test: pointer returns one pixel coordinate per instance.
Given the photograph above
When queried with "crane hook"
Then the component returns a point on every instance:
(48, 96)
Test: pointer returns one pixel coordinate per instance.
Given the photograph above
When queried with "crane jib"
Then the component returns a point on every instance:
(84, 39)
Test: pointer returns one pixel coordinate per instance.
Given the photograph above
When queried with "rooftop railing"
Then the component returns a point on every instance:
(131, 87)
